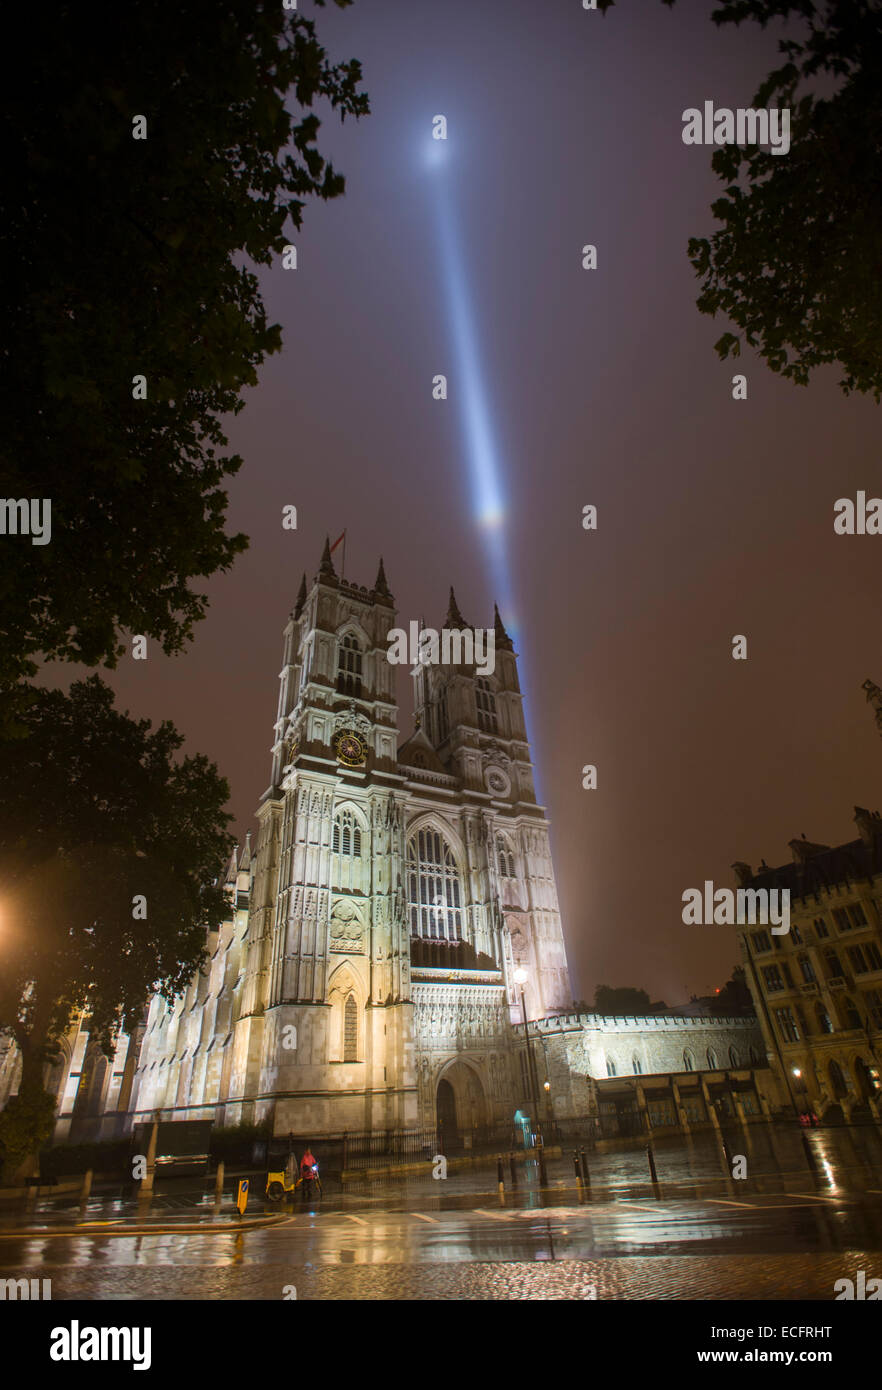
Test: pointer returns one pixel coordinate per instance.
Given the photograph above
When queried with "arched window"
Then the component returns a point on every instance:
(610, 1067)
(349, 667)
(636, 1065)
(486, 701)
(838, 1083)
(852, 1017)
(823, 1019)
(504, 858)
(346, 867)
(754, 1059)
(434, 888)
(711, 1059)
(688, 1060)
(734, 1059)
(350, 1030)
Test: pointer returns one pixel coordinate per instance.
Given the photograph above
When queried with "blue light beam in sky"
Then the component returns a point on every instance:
(467, 386)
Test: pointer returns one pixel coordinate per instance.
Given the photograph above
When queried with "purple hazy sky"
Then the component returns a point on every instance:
(715, 516)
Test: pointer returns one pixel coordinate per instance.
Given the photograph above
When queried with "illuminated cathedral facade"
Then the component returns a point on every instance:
(364, 978)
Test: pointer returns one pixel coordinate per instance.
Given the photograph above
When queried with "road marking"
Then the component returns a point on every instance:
(353, 1218)
(637, 1205)
(721, 1201)
(810, 1197)
(419, 1216)
(494, 1215)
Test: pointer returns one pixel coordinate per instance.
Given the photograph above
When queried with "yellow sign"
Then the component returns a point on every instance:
(242, 1196)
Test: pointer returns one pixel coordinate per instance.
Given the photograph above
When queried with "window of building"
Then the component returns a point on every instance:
(711, 1059)
(852, 1017)
(486, 701)
(823, 1019)
(788, 978)
(795, 934)
(772, 977)
(434, 888)
(832, 963)
(349, 667)
(688, 1060)
(734, 1059)
(752, 1054)
(873, 955)
(760, 941)
(346, 864)
(636, 1066)
(504, 859)
(857, 915)
(441, 722)
(350, 1030)
(842, 919)
(610, 1067)
(808, 970)
(856, 960)
(873, 1000)
(821, 928)
(787, 1025)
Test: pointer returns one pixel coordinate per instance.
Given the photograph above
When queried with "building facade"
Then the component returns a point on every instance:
(818, 987)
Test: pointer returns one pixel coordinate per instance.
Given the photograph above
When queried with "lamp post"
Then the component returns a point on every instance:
(520, 977)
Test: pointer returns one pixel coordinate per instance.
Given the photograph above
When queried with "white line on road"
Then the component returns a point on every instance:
(721, 1201)
(353, 1218)
(495, 1215)
(810, 1197)
(419, 1216)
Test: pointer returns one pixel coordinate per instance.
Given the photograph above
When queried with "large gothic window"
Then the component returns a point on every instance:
(346, 866)
(349, 667)
(486, 706)
(434, 888)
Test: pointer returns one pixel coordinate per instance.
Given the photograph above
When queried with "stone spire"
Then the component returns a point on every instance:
(327, 573)
(454, 618)
(245, 862)
(502, 639)
(301, 597)
(381, 587)
(232, 868)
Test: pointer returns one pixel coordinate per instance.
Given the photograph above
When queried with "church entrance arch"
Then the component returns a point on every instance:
(460, 1104)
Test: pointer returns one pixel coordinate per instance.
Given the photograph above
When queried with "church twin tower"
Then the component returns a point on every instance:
(367, 970)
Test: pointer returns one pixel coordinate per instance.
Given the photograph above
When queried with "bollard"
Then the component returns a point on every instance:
(586, 1176)
(652, 1173)
(87, 1185)
(499, 1177)
(219, 1181)
(576, 1166)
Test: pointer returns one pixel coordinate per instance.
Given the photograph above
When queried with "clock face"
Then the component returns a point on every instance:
(350, 748)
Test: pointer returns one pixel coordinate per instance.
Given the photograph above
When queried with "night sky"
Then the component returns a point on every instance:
(715, 516)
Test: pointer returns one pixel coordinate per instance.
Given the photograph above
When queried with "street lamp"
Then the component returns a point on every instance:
(520, 978)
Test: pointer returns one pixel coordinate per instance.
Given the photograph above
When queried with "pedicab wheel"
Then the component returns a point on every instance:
(275, 1192)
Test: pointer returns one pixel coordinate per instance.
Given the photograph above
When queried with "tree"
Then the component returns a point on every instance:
(109, 848)
(126, 258)
(796, 264)
(734, 998)
(625, 1001)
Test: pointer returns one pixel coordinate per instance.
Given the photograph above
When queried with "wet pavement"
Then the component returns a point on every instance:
(787, 1231)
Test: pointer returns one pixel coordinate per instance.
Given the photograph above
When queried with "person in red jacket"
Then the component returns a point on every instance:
(308, 1165)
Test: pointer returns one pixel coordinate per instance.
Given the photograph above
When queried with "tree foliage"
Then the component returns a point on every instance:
(625, 1001)
(796, 263)
(98, 810)
(126, 257)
